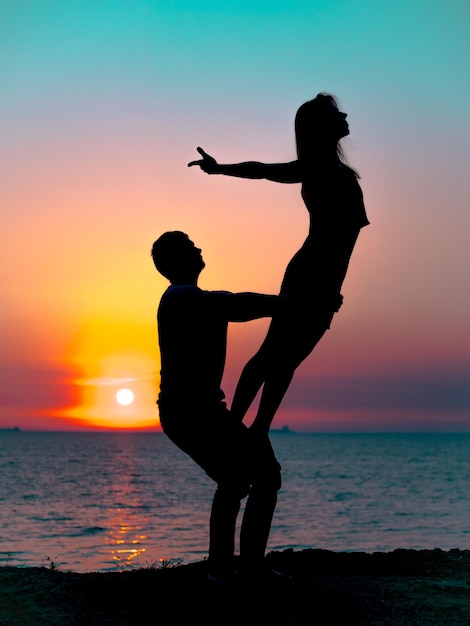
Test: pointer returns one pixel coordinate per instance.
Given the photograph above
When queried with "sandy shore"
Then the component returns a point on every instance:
(399, 588)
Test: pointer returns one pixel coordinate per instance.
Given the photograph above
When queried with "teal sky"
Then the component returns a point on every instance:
(404, 55)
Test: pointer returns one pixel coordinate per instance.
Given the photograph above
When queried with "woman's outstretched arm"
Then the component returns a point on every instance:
(276, 172)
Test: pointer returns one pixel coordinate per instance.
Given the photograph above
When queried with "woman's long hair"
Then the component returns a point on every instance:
(311, 132)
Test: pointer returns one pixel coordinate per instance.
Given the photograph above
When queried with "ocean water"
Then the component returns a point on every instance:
(104, 501)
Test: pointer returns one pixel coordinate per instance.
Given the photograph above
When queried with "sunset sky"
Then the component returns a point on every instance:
(103, 104)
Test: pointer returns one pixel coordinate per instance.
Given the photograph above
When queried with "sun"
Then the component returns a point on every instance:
(125, 397)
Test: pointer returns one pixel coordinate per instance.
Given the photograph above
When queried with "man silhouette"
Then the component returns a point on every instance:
(192, 330)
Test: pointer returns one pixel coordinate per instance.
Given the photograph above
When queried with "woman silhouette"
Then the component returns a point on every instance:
(315, 274)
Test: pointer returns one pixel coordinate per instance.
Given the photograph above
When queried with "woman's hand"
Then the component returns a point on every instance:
(207, 164)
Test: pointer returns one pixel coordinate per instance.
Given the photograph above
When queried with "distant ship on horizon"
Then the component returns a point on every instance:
(9, 429)
(284, 429)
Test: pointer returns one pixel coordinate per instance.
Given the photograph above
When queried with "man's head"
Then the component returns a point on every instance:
(176, 257)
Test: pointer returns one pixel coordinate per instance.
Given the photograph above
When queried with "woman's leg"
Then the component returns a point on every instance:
(275, 387)
(289, 341)
(250, 382)
(263, 365)
(292, 351)
(254, 373)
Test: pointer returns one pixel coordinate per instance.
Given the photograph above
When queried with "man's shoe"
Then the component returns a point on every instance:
(262, 575)
(226, 579)
(219, 579)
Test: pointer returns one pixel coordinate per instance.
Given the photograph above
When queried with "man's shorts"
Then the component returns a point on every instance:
(222, 446)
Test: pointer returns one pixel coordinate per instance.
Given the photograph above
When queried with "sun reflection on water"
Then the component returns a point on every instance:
(126, 535)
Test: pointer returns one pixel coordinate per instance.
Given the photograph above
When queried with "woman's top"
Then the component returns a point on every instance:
(335, 204)
(334, 200)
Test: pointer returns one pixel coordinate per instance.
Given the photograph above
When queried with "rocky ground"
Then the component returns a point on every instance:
(399, 588)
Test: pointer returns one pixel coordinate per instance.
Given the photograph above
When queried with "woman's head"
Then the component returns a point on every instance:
(319, 126)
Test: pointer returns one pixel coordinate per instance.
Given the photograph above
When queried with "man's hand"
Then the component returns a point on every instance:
(207, 164)
(306, 300)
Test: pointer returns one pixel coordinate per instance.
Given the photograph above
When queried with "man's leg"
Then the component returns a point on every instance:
(229, 468)
(261, 503)
(225, 508)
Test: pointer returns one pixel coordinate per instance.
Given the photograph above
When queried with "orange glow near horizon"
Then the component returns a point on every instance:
(99, 406)
(113, 356)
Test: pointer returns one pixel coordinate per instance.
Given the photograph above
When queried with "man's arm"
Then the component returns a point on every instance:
(276, 172)
(246, 306)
